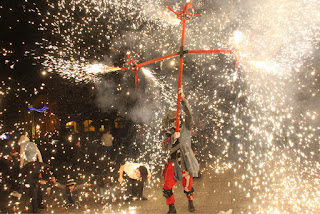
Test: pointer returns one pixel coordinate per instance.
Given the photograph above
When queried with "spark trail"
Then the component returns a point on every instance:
(260, 122)
(255, 120)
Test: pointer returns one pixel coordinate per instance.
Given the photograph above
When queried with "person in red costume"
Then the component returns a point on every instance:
(182, 164)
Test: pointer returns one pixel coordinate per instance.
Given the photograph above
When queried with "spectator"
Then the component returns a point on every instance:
(71, 194)
(107, 143)
(29, 154)
(37, 177)
(103, 183)
(78, 157)
(29, 151)
(12, 170)
(137, 175)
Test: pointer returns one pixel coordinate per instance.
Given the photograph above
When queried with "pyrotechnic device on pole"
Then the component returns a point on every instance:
(186, 14)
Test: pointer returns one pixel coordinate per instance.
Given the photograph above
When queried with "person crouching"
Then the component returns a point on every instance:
(71, 194)
(137, 175)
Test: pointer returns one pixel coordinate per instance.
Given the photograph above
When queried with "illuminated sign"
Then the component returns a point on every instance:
(43, 109)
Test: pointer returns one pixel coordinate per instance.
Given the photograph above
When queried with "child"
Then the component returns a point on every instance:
(71, 194)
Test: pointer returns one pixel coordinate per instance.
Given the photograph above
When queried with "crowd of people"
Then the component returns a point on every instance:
(28, 175)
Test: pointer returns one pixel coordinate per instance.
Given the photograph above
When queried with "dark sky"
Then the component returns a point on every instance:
(19, 21)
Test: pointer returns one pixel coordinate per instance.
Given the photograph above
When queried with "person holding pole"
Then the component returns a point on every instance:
(182, 164)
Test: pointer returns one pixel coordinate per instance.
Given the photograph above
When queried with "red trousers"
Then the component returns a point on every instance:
(170, 181)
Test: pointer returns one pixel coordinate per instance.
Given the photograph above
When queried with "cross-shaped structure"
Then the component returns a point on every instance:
(184, 16)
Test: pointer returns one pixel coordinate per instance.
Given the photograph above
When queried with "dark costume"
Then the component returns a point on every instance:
(182, 165)
(135, 187)
(33, 173)
(11, 162)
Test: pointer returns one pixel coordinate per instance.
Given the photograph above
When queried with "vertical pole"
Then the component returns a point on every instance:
(180, 73)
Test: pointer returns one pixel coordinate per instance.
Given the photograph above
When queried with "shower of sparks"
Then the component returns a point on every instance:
(261, 121)
(97, 69)
(91, 31)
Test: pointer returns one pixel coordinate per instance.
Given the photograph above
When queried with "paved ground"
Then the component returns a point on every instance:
(214, 194)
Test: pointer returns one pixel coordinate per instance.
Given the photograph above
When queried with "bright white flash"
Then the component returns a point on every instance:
(99, 69)
(237, 37)
(267, 66)
(148, 74)
(94, 69)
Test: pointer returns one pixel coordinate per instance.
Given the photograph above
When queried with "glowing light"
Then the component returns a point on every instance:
(150, 75)
(267, 66)
(237, 36)
(43, 109)
(3, 137)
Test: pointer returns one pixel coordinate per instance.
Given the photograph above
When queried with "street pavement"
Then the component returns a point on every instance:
(214, 193)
